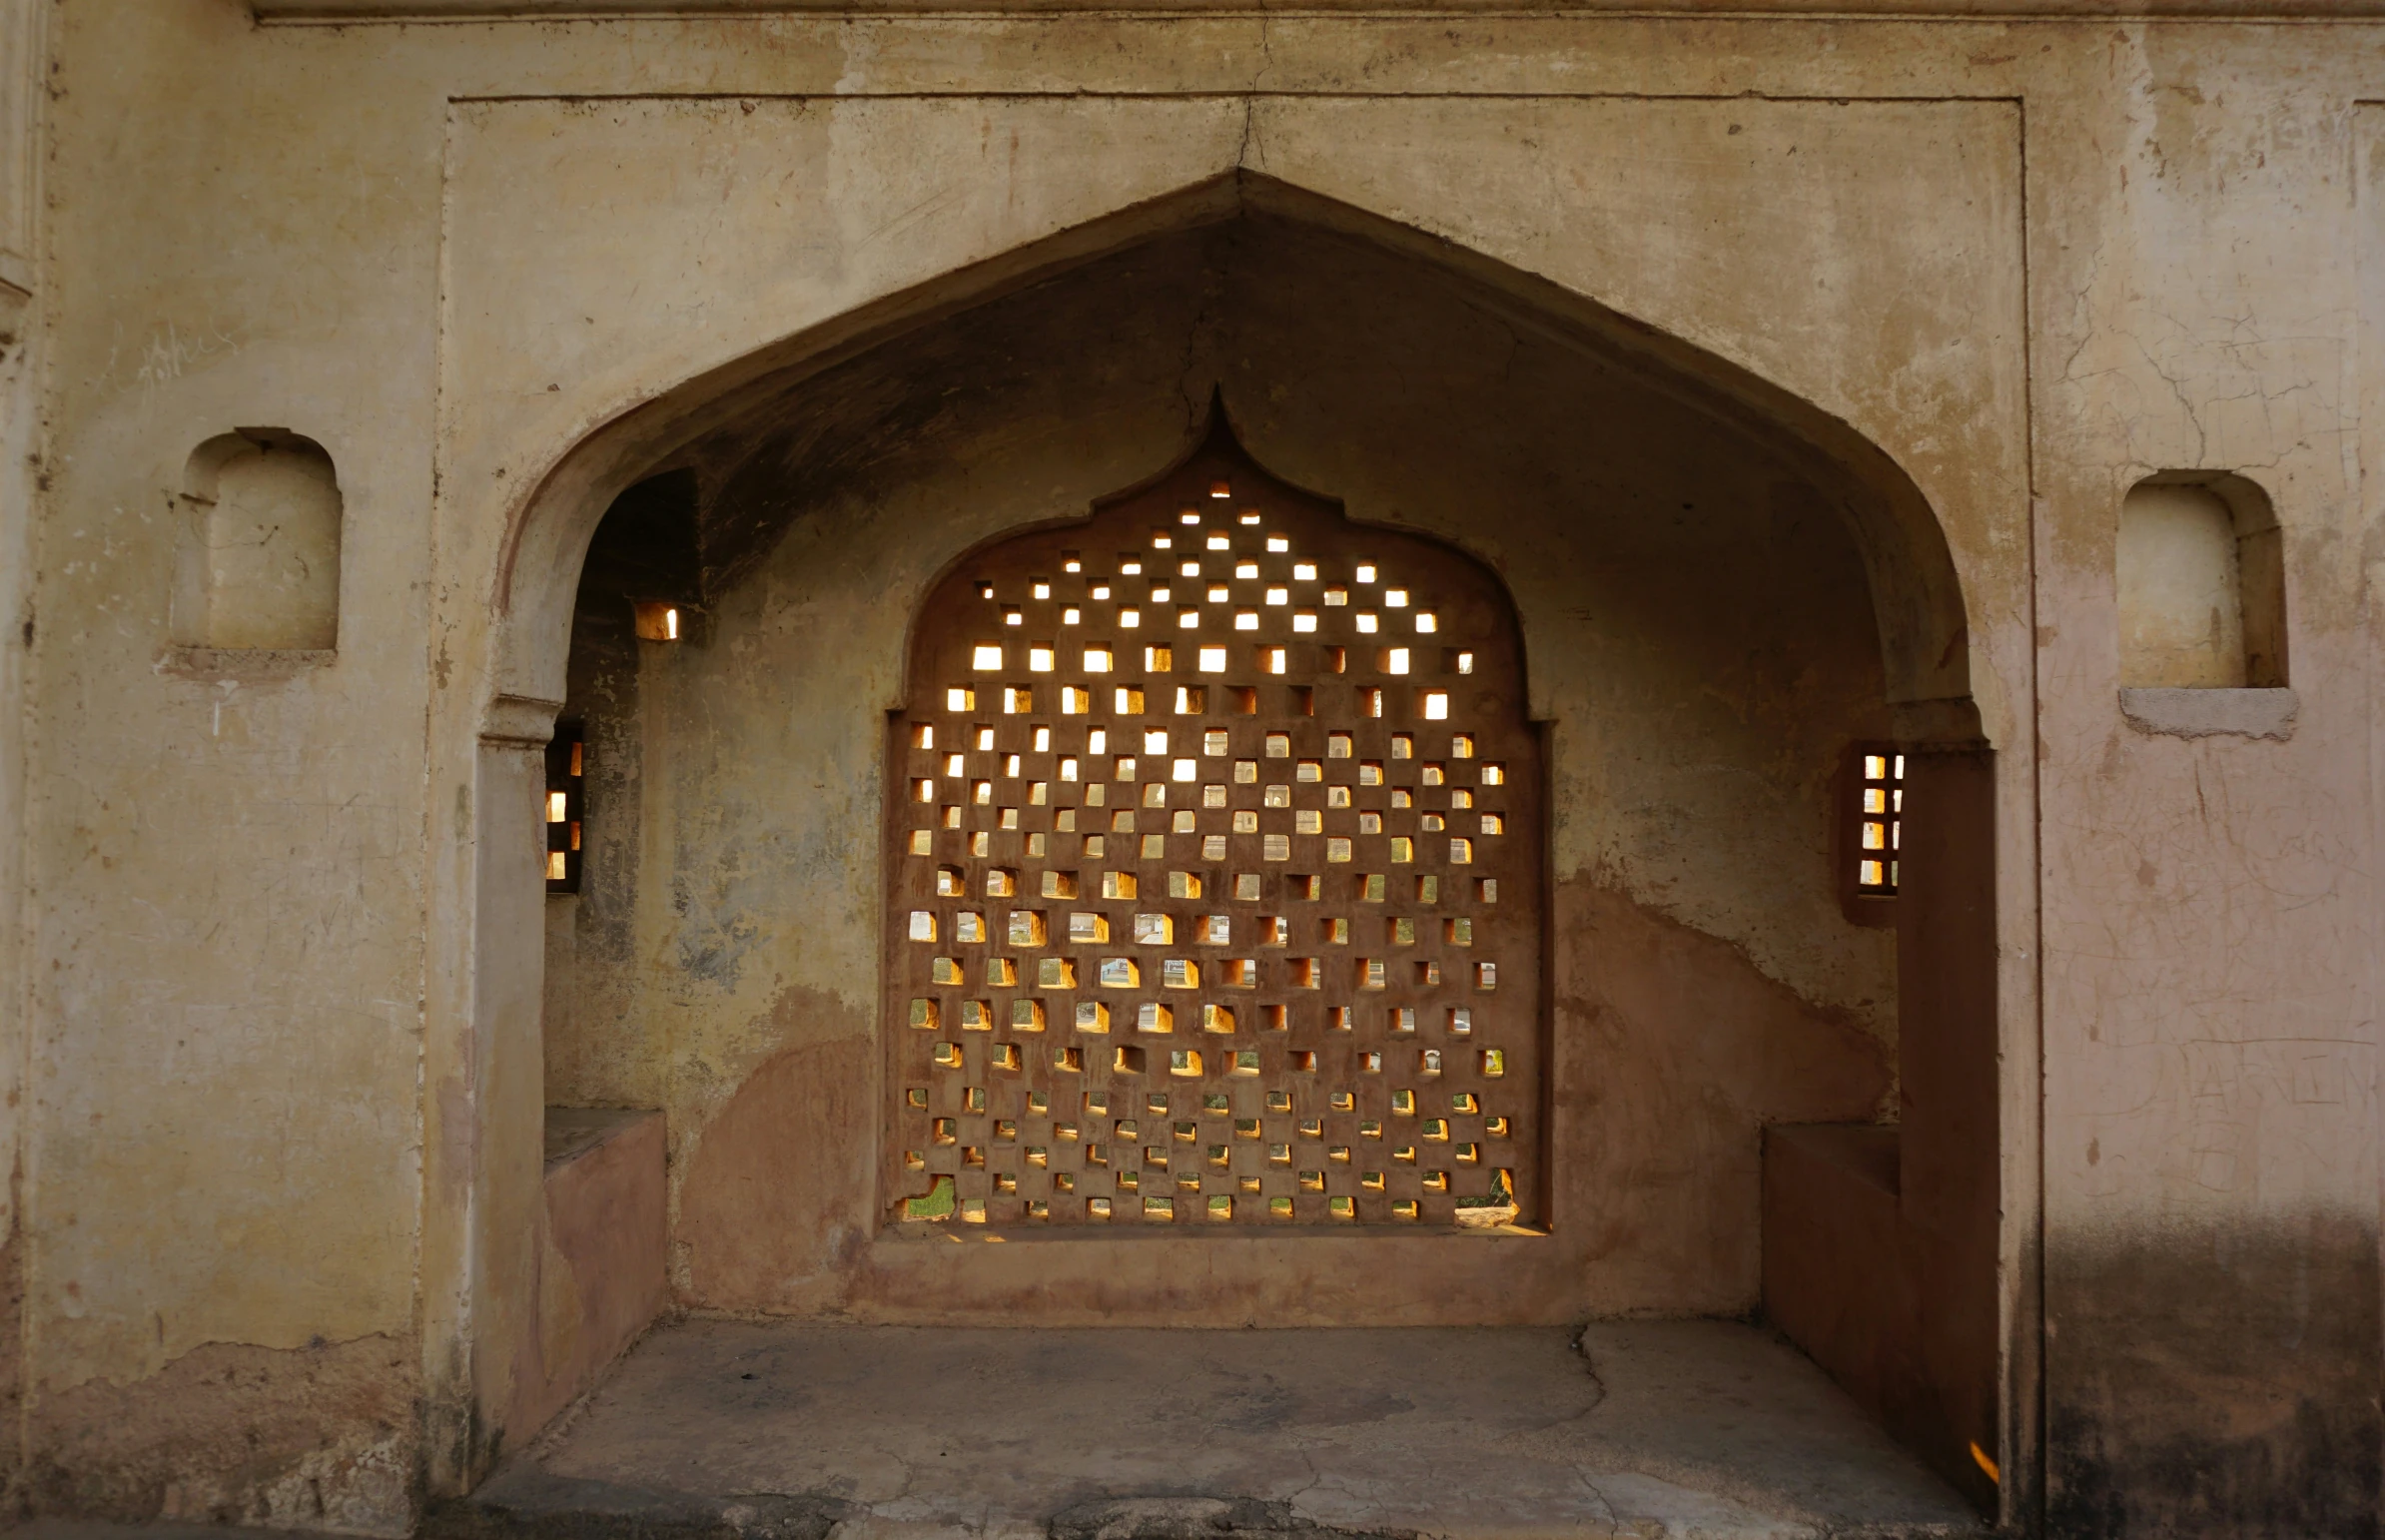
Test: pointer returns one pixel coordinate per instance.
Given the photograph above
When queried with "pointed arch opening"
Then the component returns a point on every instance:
(1719, 590)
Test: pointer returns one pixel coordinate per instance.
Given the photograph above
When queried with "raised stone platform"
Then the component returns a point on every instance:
(1673, 1428)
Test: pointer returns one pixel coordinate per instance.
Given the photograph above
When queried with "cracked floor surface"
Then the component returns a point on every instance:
(1644, 1428)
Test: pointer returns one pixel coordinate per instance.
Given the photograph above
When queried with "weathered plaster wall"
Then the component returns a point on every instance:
(224, 853)
(24, 62)
(601, 1269)
(246, 1034)
(1700, 642)
(2211, 1180)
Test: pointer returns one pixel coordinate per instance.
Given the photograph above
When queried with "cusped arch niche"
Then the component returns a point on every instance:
(1215, 874)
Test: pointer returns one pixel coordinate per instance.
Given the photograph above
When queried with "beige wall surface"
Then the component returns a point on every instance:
(280, 1149)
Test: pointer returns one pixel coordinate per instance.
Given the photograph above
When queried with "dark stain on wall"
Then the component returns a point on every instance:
(12, 1341)
(2208, 1380)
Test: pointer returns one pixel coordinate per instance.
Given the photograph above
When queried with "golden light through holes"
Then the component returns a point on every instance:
(565, 806)
(1879, 820)
(1128, 899)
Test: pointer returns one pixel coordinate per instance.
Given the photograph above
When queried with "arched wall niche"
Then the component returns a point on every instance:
(258, 546)
(2201, 581)
(1903, 592)
(1918, 601)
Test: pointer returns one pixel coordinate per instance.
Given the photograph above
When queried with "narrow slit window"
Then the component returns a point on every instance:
(1874, 819)
(566, 808)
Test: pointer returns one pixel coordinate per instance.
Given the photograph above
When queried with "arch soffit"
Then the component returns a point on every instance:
(1917, 592)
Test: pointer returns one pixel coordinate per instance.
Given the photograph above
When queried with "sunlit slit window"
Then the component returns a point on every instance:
(1878, 819)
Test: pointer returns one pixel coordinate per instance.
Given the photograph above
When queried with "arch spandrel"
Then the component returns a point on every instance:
(1917, 593)
(1214, 873)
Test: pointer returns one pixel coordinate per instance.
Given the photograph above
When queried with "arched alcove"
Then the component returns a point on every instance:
(257, 548)
(1720, 589)
(2201, 577)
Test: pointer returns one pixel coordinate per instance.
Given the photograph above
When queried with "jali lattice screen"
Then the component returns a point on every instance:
(1216, 876)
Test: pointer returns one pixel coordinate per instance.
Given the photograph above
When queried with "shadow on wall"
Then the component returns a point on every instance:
(1879, 1242)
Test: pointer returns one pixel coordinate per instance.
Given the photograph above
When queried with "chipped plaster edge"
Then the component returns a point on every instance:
(2212, 713)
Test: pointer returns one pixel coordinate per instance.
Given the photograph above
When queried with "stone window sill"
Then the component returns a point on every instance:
(243, 663)
(2190, 713)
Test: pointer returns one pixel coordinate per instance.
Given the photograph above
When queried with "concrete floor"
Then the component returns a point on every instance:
(1656, 1428)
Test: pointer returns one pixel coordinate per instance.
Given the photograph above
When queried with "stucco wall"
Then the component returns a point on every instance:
(278, 1104)
(23, 56)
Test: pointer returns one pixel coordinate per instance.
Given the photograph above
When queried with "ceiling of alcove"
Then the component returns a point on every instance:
(1247, 305)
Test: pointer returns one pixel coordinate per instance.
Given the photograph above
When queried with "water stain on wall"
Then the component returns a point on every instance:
(315, 1438)
(2205, 1379)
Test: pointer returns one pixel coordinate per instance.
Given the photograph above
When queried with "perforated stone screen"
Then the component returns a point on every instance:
(1214, 875)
